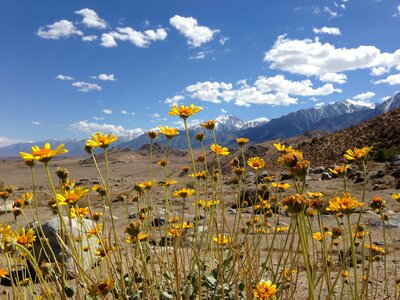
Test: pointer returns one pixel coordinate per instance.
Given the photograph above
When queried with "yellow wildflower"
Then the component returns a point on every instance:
(168, 132)
(25, 238)
(357, 154)
(281, 185)
(283, 148)
(184, 111)
(256, 163)
(375, 250)
(183, 193)
(396, 197)
(345, 205)
(222, 239)
(315, 194)
(45, 154)
(265, 290)
(101, 140)
(339, 171)
(210, 124)
(3, 273)
(217, 149)
(175, 232)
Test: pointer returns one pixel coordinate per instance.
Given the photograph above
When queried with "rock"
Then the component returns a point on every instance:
(359, 177)
(393, 222)
(262, 175)
(317, 170)
(396, 173)
(249, 197)
(6, 207)
(286, 176)
(377, 174)
(326, 176)
(396, 160)
(52, 230)
(157, 222)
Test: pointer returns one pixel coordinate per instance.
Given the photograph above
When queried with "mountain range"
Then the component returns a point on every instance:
(329, 118)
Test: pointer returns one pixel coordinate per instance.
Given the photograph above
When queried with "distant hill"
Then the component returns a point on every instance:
(381, 132)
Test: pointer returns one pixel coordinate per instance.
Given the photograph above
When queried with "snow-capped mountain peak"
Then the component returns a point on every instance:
(255, 122)
(228, 122)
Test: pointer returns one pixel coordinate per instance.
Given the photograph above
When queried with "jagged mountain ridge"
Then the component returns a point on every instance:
(330, 118)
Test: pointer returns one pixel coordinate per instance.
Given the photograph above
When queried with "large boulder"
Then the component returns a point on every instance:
(83, 245)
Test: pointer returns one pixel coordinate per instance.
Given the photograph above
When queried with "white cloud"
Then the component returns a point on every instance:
(364, 96)
(91, 19)
(327, 30)
(124, 112)
(391, 80)
(59, 29)
(333, 77)
(378, 71)
(89, 127)
(223, 111)
(138, 38)
(332, 14)
(86, 86)
(108, 41)
(174, 100)
(224, 39)
(199, 55)
(98, 118)
(5, 141)
(155, 115)
(107, 111)
(64, 77)
(89, 38)
(275, 90)
(36, 123)
(213, 92)
(196, 34)
(298, 88)
(308, 57)
(319, 104)
(106, 77)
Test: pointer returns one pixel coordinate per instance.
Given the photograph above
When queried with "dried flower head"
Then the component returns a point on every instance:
(152, 134)
(295, 204)
(377, 204)
(291, 158)
(210, 124)
(199, 136)
(242, 141)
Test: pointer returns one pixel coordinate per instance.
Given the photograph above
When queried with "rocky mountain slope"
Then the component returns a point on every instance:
(382, 132)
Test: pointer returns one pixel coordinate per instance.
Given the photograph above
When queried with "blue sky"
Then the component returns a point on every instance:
(71, 68)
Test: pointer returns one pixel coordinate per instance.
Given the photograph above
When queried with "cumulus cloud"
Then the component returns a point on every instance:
(327, 30)
(391, 80)
(275, 90)
(378, 71)
(90, 127)
(86, 86)
(196, 35)
(105, 77)
(60, 29)
(333, 77)
(89, 38)
(108, 41)
(91, 19)
(364, 96)
(98, 118)
(107, 111)
(5, 141)
(298, 88)
(137, 38)
(174, 100)
(64, 77)
(308, 57)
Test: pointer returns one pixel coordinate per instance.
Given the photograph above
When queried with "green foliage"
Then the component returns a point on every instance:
(385, 154)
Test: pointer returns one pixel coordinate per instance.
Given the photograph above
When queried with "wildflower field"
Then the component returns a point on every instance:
(185, 229)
